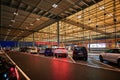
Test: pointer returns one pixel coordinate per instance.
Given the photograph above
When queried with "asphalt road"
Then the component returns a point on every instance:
(41, 68)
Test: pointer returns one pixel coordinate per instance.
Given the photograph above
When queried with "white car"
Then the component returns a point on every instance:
(33, 50)
(60, 52)
(112, 55)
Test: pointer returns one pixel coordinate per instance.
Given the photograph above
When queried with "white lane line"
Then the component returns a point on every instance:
(78, 63)
(114, 69)
(81, 64)
(98, 67)
(71, 59)
(101, 62)
(27, 78)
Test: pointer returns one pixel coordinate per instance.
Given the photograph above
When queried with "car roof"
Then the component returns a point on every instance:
(114, 48)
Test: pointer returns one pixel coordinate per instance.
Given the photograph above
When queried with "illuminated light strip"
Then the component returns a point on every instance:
(27, 78)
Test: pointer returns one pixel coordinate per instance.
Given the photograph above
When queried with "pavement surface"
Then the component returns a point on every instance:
(40, 67)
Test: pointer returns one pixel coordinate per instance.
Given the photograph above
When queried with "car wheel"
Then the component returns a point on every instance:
(101, 58)
(118, 62)
(56, 55)
(46, 54)
(65, 55)
(85, 58)
(74, 57)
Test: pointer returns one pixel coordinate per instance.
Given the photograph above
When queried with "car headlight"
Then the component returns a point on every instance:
(5, 75)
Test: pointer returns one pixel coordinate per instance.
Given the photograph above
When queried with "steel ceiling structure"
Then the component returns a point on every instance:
(99, 21)
(20, 18)
(79, 20)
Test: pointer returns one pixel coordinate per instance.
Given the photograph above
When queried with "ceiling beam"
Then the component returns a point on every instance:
(82, 25)
(45, 24)
(5, 27)
(10, 35)
(26, 30)
(18, 6)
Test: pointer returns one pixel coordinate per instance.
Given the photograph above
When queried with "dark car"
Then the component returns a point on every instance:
(48, 52)
(80, 53)
(8, 71)
(23, 49)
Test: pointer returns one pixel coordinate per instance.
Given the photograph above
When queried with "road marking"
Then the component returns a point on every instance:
(27, 78)
(115, 69)
(71, 59)
(100, 62)
(80, 63)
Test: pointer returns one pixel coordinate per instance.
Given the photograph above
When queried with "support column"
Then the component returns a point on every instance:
(23, 43)
(115, 20)
(33, 39)
(18, 44)
(58, 35)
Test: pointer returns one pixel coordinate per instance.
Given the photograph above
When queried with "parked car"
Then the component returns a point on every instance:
(60, 52)
(112, 55)
(2, 51)
(33, 50)
(8, 71)
(80, 53)
(42, 51)
(23, 49)
(48, 52)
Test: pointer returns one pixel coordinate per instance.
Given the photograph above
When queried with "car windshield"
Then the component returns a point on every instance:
(78, 49)
(48, 48)
(113, 51)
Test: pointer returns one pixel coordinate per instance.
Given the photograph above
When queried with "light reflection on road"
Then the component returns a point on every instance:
(61, 69)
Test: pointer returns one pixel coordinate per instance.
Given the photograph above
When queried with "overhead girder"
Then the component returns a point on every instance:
(25, 30)
(28, 8)
(10, 35)
(83, 26)
(35, 10)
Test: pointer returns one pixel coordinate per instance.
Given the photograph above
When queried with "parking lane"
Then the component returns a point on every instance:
(21, 77)
(95, 57)
(92, 61)
(55, 69)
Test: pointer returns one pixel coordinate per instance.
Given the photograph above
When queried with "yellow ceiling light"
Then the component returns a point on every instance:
(110, 15)
(31, 24)
(10, 25)
(12, 20)
(37, 19)
(79, 16)
(15, 13)
(54, 5)
(102, 8)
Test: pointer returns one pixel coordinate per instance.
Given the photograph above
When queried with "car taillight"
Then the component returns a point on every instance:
(14, 72)
(17, 74)
(12, 69)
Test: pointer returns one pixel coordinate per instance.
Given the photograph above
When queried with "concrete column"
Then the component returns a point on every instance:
(33, 39)
(58, 35)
